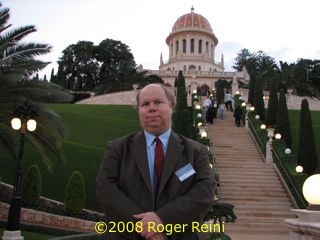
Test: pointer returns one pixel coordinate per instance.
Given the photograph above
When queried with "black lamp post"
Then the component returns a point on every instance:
(23, 121)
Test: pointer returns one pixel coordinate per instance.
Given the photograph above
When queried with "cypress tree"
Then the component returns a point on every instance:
(283, 123)
(258, 101)
(182, 91)
(219, 91)
(75, 196)
(31, 187)
(307, 154)
(272, 105)
(252, 88)
(52, 76)
(185, 127)
(181, 116)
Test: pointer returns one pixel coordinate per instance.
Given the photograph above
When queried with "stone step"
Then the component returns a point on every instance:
(235, 164)
(229, 173)
(245, 191)
(266, 227)
(257, 193)
(240, 202)
(267, 214)
(250, 182)
(247, 182)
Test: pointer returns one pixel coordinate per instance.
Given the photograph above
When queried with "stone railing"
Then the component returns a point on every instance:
(306, 226)
(31, 216)
(117, 98)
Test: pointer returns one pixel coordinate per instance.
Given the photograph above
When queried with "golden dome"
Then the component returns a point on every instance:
(192, 21)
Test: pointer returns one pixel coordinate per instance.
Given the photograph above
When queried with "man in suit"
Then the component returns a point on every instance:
(129, 191)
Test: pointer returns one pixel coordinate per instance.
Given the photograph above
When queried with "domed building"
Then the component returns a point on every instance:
(192, 46)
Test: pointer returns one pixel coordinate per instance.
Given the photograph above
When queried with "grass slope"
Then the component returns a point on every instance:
(89, 127)
(294, 116)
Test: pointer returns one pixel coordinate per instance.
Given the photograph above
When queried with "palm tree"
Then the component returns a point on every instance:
(17, 65)
(19, 96)
(286, 75)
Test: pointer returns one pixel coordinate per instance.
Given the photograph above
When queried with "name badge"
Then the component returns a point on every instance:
(185, 172)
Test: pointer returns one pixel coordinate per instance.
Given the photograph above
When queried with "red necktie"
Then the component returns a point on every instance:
(158, 160)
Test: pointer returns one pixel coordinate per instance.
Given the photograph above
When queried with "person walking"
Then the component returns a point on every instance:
(210, 113)
(237, 115)
(228, 101)
(155, 177)
(221, 109)
(206, 104)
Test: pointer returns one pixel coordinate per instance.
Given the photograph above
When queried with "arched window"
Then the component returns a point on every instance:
(184, 46)
(192, 46)
(199, 68)
(192, 67)
(171, 49)
(207, 47)
(200, 46)
(177, 46)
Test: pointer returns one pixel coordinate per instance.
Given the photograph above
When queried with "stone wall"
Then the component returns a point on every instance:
(31, 216)
(116, 98)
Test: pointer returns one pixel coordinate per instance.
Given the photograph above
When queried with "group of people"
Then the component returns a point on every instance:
(211, 108)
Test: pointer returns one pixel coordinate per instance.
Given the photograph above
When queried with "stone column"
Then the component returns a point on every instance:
(247, 115)
(12, 235)
(269, 158)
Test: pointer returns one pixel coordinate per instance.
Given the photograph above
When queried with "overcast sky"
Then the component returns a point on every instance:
(285, 30)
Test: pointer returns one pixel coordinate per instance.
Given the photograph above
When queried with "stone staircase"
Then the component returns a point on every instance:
(251, 185)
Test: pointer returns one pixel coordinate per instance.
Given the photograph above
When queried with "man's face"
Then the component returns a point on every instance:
(154, 109)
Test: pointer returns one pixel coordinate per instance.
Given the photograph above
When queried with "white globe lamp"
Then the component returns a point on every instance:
(299, 169)
(311, 193)
(287, 151)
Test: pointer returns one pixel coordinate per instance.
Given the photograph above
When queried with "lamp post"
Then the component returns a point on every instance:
(310, 190)
(299, 169)
(23, 122)
(307, 226)
(270, 135)
(248, 108)
(204, 134)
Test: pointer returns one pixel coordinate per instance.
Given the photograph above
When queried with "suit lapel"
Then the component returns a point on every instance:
(139, 154)
(173, 155)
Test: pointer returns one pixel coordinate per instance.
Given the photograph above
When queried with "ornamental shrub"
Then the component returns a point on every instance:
(307, 154)
(272, 106)
(74, 195)
(182, 120)
(31, 187)
(258, 101)
(283, 123)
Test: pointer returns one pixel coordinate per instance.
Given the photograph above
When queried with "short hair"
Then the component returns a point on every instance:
(169, 95)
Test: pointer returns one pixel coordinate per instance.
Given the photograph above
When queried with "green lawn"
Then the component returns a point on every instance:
(294, 116)
(89, 127)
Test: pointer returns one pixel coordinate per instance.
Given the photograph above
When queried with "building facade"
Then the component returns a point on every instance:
(192, 45)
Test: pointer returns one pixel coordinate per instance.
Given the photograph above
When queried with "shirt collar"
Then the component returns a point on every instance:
(164, 137)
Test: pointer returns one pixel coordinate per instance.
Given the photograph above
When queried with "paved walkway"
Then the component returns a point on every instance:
(252, 186)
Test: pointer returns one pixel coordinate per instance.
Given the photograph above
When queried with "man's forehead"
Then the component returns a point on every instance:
(152, 92)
